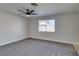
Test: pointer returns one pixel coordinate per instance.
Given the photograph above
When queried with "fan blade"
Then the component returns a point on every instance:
(21, 11)
(33, 14)
(32, 11)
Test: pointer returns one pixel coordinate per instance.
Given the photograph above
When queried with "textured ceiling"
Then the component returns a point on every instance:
(43, 9)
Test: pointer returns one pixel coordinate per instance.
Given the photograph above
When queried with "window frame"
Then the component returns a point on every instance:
(46, 25)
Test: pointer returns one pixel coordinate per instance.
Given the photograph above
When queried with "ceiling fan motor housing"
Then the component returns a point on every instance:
(28, 13)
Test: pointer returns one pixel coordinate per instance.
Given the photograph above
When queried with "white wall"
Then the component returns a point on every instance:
(12, 28)
(67, 28)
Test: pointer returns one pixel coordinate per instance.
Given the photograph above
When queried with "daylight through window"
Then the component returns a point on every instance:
(46, 25)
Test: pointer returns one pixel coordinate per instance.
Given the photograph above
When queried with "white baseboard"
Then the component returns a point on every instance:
(36, 38)
(5, 43)
(54, 40)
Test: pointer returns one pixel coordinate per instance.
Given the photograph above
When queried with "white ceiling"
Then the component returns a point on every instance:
(43, 9)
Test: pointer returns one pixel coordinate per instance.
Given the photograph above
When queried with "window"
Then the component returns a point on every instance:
(46, 25)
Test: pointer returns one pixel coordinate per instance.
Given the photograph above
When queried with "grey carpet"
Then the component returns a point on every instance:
(33, 47)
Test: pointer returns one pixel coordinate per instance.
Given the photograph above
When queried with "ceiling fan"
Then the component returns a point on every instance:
(28, 12)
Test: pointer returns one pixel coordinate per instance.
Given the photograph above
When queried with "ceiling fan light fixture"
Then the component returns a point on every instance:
(28, 12)
(34, 4)
(28, 15)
